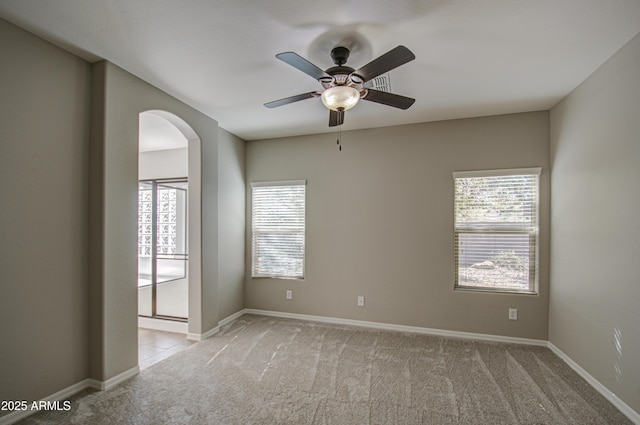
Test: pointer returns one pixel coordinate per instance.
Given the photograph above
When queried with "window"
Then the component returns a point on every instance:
(278, 223)
(496, 230)
(162, 220)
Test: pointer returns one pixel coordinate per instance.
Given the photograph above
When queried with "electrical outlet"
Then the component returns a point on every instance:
(513, 314)
(289, 294)
(360, 301)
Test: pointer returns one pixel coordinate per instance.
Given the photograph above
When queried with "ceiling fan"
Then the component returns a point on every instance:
(345, 86)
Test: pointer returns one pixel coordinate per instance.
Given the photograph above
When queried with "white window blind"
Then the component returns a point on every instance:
(278, 229)
(496, 229)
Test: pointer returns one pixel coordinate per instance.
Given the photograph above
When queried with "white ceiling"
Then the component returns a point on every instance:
(473, 57)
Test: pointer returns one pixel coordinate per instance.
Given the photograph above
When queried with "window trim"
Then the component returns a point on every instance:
(255, 184)
(535, 267)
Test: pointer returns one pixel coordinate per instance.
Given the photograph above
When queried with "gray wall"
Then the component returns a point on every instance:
(595, 142)
(68, 158)
(118, 98)
(380, 222)
(231, 223)
(44, 152)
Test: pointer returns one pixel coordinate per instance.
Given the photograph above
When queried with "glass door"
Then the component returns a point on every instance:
(162, 249)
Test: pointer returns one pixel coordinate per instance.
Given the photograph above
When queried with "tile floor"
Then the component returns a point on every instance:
(155, 346)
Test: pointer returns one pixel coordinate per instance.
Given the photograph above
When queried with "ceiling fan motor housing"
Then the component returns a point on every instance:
(340, 55)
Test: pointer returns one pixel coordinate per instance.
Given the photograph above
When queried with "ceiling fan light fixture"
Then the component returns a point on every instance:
(340, 98)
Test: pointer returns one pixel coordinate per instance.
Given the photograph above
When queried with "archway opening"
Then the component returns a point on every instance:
(168, 222)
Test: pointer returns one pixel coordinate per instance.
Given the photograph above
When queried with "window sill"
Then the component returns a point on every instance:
(278, 277)
(493, 290)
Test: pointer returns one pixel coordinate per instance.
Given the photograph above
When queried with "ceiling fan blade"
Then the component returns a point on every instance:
(388, 99)
(297, 61)
(335, 118)
(291, 99)
(390, 60)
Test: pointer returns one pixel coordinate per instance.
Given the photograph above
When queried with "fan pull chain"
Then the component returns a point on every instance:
(339, 138)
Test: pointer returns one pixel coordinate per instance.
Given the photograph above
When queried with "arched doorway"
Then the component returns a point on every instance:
(168, 221)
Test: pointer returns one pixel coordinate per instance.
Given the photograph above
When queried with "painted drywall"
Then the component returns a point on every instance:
(595, 290)
(117, 99)
(44, 152)
(231, 222)
(162, 164)
(380, 222)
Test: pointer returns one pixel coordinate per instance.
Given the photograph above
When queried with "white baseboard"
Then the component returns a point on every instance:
(606, 393)
(163, 325)
(61, 395)
(211, 332)
(201, 337)
(231, 318)
(64, 394)
(401, 328)
(112, 382)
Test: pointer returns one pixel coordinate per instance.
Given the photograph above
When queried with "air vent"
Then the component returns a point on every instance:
(381, 82)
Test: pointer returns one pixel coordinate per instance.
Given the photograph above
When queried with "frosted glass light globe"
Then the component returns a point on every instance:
(340, 97)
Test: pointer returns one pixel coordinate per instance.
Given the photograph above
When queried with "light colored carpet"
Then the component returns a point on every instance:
(263, 370)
